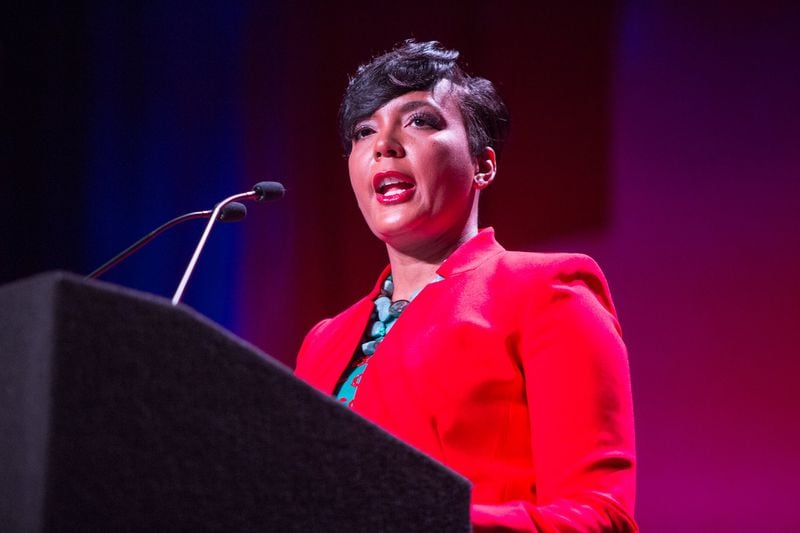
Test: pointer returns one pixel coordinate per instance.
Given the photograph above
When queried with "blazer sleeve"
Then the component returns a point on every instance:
(581, 416)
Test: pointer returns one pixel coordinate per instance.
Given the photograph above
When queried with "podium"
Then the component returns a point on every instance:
(120, 412)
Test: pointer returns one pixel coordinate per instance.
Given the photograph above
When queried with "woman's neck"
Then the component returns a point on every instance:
(412, 269)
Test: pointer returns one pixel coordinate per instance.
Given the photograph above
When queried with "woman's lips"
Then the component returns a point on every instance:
(392, 187)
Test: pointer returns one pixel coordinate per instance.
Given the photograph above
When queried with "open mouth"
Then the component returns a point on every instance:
(392, 187)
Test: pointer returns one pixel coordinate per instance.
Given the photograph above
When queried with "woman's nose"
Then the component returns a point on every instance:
(387, 145)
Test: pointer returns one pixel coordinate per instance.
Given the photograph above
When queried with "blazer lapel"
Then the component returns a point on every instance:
(342, 345)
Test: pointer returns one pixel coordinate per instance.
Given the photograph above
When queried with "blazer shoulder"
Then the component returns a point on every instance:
(550, 264)
(558, 272)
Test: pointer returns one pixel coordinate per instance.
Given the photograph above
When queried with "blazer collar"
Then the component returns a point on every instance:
(468, 256)
(471, 254)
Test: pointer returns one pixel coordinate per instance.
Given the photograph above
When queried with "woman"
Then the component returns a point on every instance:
(506, 366)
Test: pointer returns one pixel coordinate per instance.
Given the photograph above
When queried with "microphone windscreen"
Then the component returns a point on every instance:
(269, 190)
(233, 212)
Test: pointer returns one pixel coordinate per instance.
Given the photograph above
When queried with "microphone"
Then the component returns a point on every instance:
(268, 191)
(233, 212)
(263, 191)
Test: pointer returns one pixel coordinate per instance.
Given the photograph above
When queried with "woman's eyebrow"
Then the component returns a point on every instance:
(415, 104)
(405, 108)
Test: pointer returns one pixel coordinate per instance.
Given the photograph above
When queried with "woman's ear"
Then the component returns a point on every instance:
(485, 168)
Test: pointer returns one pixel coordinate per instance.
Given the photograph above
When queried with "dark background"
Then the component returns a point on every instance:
(662, 139)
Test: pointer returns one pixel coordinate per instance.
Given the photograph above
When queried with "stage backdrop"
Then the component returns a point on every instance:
(662, 139)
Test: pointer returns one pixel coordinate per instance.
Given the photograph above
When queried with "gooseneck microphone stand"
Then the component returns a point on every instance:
(263, 191)
(233, 212)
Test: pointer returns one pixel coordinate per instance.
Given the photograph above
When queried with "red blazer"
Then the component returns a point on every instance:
(512, 372)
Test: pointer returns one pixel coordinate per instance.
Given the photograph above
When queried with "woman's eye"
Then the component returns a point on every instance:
(425, 120)
(361, 132)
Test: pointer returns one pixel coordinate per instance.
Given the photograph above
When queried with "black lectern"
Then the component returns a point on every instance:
(120, 412)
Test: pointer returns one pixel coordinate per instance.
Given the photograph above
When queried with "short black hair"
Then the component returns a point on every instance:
(419, 66)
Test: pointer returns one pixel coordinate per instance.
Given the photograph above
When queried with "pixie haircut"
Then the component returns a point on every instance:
(419, 66)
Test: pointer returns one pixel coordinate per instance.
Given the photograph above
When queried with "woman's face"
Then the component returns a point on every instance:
(411, 168)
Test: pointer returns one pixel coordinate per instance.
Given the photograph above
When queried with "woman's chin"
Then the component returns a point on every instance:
(395, 229)
(396, 219)
(390, 232)
(411, 236)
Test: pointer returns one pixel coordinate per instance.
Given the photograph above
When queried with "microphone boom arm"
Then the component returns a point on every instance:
(249, 195)
(105, 267)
